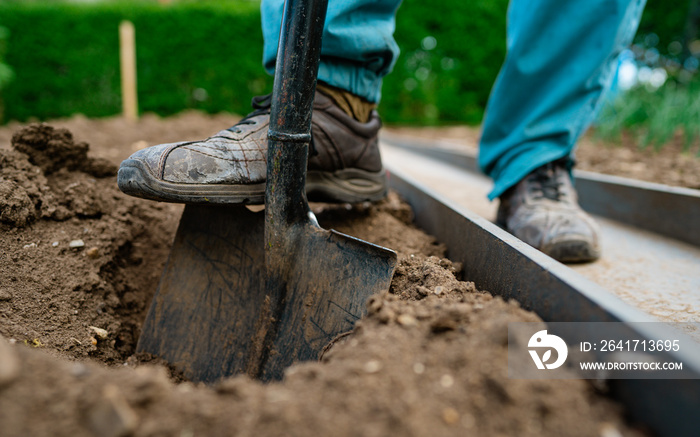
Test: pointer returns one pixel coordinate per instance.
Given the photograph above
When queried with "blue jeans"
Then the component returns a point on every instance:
(358, 47)
(561, 58)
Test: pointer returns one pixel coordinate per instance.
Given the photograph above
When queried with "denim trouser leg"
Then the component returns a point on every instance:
(561, 57)
(358, 44)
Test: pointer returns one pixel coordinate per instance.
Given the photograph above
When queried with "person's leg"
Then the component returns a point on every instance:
(344, 163)
(358, 47)
(561, 58)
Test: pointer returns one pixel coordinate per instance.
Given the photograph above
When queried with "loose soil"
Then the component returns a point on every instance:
(80, 263)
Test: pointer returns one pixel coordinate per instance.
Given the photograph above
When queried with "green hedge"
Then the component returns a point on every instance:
(6, 73)
(207, 55)
(66, 58)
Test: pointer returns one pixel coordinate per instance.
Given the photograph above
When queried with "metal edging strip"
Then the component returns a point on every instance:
(505, 266)
(670, 211)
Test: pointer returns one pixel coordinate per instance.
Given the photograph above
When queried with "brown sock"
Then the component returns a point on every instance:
(355, 106)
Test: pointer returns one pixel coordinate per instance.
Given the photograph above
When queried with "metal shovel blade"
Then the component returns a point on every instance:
(213, 317)
(323, 291)
(203, 316)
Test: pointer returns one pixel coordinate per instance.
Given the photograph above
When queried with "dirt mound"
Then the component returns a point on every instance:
(46, 176)
(80, 263)
(54, 149)
(434, 368)
(21, 190)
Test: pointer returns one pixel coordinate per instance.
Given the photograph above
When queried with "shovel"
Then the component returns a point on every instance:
(253, 292)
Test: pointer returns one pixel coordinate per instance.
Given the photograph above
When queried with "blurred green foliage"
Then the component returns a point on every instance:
(653, 117)
(6, 73)
(207, 55)
(450, 55)
(189, 55)
(666, 19)
(667, 40)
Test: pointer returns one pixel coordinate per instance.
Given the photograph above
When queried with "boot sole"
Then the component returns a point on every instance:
(567, 251)
(136, 180)
(342, 186)
(572, 251)
(349, 185)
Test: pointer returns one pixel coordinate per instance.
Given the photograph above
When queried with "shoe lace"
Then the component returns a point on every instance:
(544, 183)
(261, 105)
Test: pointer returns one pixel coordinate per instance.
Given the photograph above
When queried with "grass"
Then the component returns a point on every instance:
(653, 117)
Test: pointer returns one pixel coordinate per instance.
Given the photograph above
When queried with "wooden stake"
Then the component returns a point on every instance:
(127, 57)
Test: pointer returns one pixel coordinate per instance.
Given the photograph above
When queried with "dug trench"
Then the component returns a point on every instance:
(79, 265)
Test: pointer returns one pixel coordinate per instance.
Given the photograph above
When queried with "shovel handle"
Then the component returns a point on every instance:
(289, 135)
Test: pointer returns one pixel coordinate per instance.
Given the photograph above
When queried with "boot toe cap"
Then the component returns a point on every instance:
(568, 235)
(149, 158)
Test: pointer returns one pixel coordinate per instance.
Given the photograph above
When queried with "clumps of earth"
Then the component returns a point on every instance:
(76, 251)
(41, 178)
(429, 358)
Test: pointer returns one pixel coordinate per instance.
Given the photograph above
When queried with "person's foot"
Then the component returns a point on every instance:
(543, 211)
(230, 167)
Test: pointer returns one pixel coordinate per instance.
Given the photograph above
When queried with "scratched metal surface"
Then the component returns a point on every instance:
(659, 275)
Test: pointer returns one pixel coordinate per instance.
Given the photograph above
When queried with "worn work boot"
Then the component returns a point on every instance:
(543, 211)
(230, 167)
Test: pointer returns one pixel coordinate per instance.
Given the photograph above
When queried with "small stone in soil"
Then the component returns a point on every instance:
(5, 295)
(372, 366)
(102, 334)
(76, 244)
(93, 252)
(609, 430)
(54, 244)
(447, 381)
(406, 320)
(450, 416)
